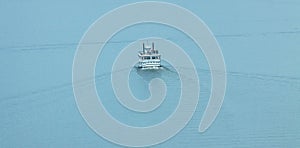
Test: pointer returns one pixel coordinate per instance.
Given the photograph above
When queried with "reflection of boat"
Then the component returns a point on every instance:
(149, 58)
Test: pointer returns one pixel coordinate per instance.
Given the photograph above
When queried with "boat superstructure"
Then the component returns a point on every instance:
(149, 58)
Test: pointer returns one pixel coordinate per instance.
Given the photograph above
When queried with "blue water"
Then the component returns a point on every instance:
(259, 40)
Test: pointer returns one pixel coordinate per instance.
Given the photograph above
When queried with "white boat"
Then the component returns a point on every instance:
(149, 58)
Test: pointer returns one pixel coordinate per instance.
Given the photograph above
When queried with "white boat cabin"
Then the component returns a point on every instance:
(149, 58)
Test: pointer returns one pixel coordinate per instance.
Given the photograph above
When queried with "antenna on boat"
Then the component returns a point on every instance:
(152, 45)
(143, 47)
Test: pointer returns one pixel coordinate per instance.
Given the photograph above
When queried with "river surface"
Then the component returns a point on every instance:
(259, 40)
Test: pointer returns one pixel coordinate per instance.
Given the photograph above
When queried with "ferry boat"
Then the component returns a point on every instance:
(149, 58)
